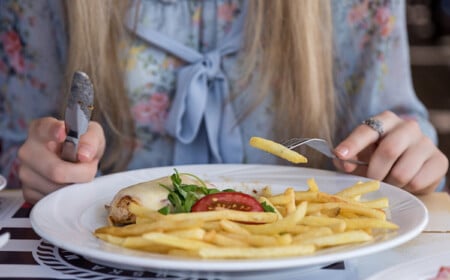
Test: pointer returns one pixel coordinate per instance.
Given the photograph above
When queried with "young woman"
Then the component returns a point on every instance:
(190, 81)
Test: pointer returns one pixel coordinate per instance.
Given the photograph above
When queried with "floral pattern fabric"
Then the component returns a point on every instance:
(371, 69)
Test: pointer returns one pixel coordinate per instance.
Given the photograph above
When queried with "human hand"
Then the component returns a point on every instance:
(403, 156)
(42, 170)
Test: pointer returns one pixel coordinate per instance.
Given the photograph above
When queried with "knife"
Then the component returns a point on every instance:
(77, 114)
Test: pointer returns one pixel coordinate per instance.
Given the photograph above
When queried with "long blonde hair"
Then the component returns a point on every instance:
(288, 43)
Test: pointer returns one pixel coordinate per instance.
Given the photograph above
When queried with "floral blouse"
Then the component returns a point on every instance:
(371, 72)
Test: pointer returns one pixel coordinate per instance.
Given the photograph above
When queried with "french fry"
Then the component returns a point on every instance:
(277, 150)
(290, 205)
(234, 215)
(280, 225)
(175, 242)
(363, 223)
(305, 196)
(183, 253)
(312, 233)
(139, 229)
(190, 233)
(300, 196)
(141, 211)
(312, 185)
(360, 188)
(223, 240)
(135, 242)
(110, 238)
(341, 238)
(284, 239)
(256, 240)
(233, 227)
(365, 211)
(379, 203)
(337, 225)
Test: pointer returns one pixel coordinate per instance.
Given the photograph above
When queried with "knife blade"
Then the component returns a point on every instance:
(77, 114)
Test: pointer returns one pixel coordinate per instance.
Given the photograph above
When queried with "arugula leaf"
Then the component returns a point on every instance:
(183, 196)
(267, 207)
(165, 210)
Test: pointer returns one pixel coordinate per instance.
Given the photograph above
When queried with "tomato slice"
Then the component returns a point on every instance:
(227, 200)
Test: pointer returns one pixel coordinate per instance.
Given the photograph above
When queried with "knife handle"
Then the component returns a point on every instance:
(69, 149)
(78, 114)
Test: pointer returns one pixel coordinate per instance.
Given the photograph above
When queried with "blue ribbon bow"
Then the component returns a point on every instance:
(201, 118)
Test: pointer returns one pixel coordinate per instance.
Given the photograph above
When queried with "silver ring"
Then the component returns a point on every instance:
(375, 124)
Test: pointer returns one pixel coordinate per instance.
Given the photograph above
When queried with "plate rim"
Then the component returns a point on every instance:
(230, 265)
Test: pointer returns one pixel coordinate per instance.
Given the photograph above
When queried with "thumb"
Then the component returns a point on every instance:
(92, 143)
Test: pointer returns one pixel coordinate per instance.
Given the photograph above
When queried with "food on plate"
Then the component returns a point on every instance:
(227, 200)
(192, 219)
(153, 195)
(277, 149)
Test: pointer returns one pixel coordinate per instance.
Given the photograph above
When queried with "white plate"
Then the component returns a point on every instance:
(4, 238)
(423, 268)
(2, 182)
(68, 217)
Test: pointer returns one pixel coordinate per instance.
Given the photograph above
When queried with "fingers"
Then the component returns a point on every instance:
(42, 170)
(410, 162)
(361, 143)
(403, 156)
(92, 143)
(31, 182)
(364, 135)
(430, 175)
(392, 147)
(31, 195)
(55, 169)
(47, 129)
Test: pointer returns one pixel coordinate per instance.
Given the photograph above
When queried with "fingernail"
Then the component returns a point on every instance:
(342, 151)
(85, 151)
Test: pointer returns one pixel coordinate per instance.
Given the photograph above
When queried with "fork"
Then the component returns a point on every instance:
(320, 145)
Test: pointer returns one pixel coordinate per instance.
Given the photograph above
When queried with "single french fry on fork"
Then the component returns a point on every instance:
(277, 149)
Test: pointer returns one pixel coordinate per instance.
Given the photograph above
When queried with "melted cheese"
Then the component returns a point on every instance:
(149, 194)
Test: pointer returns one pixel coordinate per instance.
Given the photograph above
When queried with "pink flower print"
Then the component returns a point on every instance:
(152, 112)
(226, 12)
(11, 42)
(17, 62)
(382, 15)
(358, 13)
(13, 47)
(385, 20)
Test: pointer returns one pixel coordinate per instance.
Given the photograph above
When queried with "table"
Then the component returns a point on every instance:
(27, 256)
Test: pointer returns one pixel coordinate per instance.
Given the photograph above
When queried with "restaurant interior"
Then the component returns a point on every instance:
(429, 37)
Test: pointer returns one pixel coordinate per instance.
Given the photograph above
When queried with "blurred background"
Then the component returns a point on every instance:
(429, 38)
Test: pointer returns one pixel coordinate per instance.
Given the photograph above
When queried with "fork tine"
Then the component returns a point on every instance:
(294, 142)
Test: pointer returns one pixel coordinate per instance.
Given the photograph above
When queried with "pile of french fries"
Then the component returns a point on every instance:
(304, 222)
